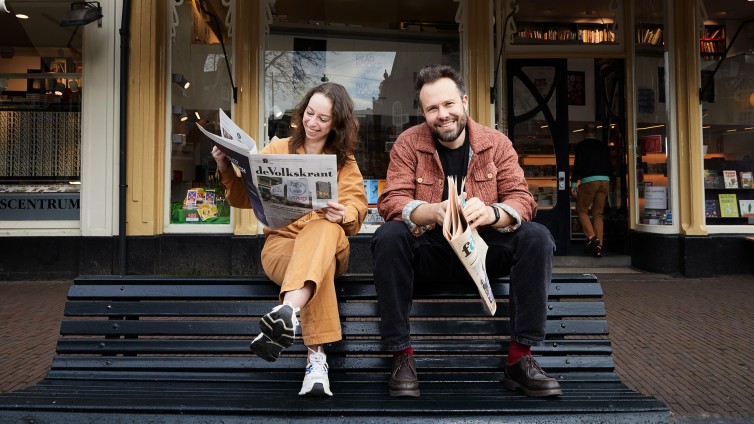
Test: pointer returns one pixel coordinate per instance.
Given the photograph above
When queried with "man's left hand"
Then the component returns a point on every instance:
(477, 213)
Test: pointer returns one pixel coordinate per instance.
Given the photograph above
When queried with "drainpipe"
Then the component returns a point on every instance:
(125, 23)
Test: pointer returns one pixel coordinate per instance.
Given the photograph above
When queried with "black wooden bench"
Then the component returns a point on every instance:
(174, 349)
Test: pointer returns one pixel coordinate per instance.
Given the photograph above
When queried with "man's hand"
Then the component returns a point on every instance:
(429, 213)
(477, 213)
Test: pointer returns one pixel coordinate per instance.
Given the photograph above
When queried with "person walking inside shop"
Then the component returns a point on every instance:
(410, 248)
(591, 165)
(305, 257)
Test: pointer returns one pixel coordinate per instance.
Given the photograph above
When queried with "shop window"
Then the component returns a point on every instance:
(653, 149)
(374, 54)
(200, 86)
(727, 116)
(40, 113)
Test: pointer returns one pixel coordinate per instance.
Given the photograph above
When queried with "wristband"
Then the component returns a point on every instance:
(497, 215)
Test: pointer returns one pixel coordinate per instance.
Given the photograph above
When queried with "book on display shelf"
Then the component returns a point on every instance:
(711, 209)
(747, 208)
(712, 179)
(730, 178)
(728, 205)
(746, 179)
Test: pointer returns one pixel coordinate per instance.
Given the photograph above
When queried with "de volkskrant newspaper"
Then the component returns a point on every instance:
(467, 245)
(281, 188)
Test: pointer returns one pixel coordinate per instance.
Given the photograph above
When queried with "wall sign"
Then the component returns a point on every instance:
(40, 206)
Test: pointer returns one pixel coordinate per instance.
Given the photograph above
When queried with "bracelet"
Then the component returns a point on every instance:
(497, 215)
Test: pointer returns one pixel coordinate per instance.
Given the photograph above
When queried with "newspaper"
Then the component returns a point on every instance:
(467, 244)
(281, 188)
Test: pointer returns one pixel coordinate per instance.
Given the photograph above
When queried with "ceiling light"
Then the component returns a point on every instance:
(181, 81)
(4, 7)
(21, 16)
(82, 13)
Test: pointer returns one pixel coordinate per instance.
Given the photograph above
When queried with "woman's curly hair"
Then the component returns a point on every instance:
(343, 139)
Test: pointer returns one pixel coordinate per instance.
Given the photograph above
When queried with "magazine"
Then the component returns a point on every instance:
(468, 245)
(281, 188)
(746, 179)
(728, 205)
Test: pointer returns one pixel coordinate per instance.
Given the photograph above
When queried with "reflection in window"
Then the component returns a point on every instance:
(378, 70)
(200, 87)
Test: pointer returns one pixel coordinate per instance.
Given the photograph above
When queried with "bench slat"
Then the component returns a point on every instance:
(350, 328)
(336, 363)
(241, 347)
(266, 291)
(257, 309)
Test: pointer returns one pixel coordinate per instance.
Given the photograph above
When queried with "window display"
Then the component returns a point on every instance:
(653, 147)
(200, 86)
(727, 124)
(41, 88)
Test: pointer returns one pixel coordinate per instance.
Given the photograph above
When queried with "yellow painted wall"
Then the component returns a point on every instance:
(145, 159)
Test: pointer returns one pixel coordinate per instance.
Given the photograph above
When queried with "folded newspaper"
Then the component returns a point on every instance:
(468, 245)
(281, 188)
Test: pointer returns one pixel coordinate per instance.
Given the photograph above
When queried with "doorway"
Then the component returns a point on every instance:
(549, 101)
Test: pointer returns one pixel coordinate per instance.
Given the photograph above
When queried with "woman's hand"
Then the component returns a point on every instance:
(220, 157)
(335, 212)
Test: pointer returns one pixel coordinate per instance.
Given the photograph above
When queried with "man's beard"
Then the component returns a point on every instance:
(450, 136)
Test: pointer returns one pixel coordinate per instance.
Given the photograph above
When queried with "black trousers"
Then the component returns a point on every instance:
(402, 260)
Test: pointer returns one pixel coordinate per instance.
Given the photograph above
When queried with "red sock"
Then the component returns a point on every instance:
(409, 350)
(517, 351)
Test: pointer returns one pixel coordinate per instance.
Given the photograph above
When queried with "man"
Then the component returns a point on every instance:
(591, 165)
(410, 246)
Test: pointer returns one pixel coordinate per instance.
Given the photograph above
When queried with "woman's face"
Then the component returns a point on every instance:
(318, 118)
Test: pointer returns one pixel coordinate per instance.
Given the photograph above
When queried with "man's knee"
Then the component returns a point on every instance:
(537, 235)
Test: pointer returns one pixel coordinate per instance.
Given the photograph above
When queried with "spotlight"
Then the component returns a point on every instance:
(4, 7)
(181, 81)
(276, 112)
(82, 13)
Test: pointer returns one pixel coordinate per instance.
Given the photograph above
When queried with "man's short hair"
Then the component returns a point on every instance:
(432, 73)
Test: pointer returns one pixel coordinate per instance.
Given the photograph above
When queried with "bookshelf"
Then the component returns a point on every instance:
(563, 33)
(712, 42)
(728, 190)
(650, 35)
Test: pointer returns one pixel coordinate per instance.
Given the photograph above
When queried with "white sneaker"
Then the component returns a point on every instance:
(316, 382)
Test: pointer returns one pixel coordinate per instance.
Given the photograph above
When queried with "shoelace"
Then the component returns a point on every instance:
(317, 362)
(535, 364)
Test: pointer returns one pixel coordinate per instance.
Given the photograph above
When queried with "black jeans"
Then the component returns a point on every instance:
(400, 260)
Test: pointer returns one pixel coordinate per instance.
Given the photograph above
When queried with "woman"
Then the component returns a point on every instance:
(305, 257)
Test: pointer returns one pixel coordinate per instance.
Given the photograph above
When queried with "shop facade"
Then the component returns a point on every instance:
(107, 177)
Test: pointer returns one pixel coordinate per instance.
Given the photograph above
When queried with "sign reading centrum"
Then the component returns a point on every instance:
(39, 206)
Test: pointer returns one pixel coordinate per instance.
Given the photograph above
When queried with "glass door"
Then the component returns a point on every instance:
(538, 127)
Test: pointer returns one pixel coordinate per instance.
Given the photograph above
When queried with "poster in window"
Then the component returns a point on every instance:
(576, 88)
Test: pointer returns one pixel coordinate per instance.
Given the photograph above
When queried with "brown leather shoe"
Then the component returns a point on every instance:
(403, 381)
(528, 376)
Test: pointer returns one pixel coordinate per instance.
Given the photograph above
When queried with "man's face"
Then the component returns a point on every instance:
(444, 109)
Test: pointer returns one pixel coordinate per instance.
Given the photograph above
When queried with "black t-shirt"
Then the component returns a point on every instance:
(454, 162)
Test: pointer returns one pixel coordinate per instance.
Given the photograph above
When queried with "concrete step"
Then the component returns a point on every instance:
(613, 264)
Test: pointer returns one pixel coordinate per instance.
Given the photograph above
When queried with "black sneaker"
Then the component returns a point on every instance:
(278, 332)
(591, 245)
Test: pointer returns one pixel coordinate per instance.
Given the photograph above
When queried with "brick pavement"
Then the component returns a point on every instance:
(688, 342)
